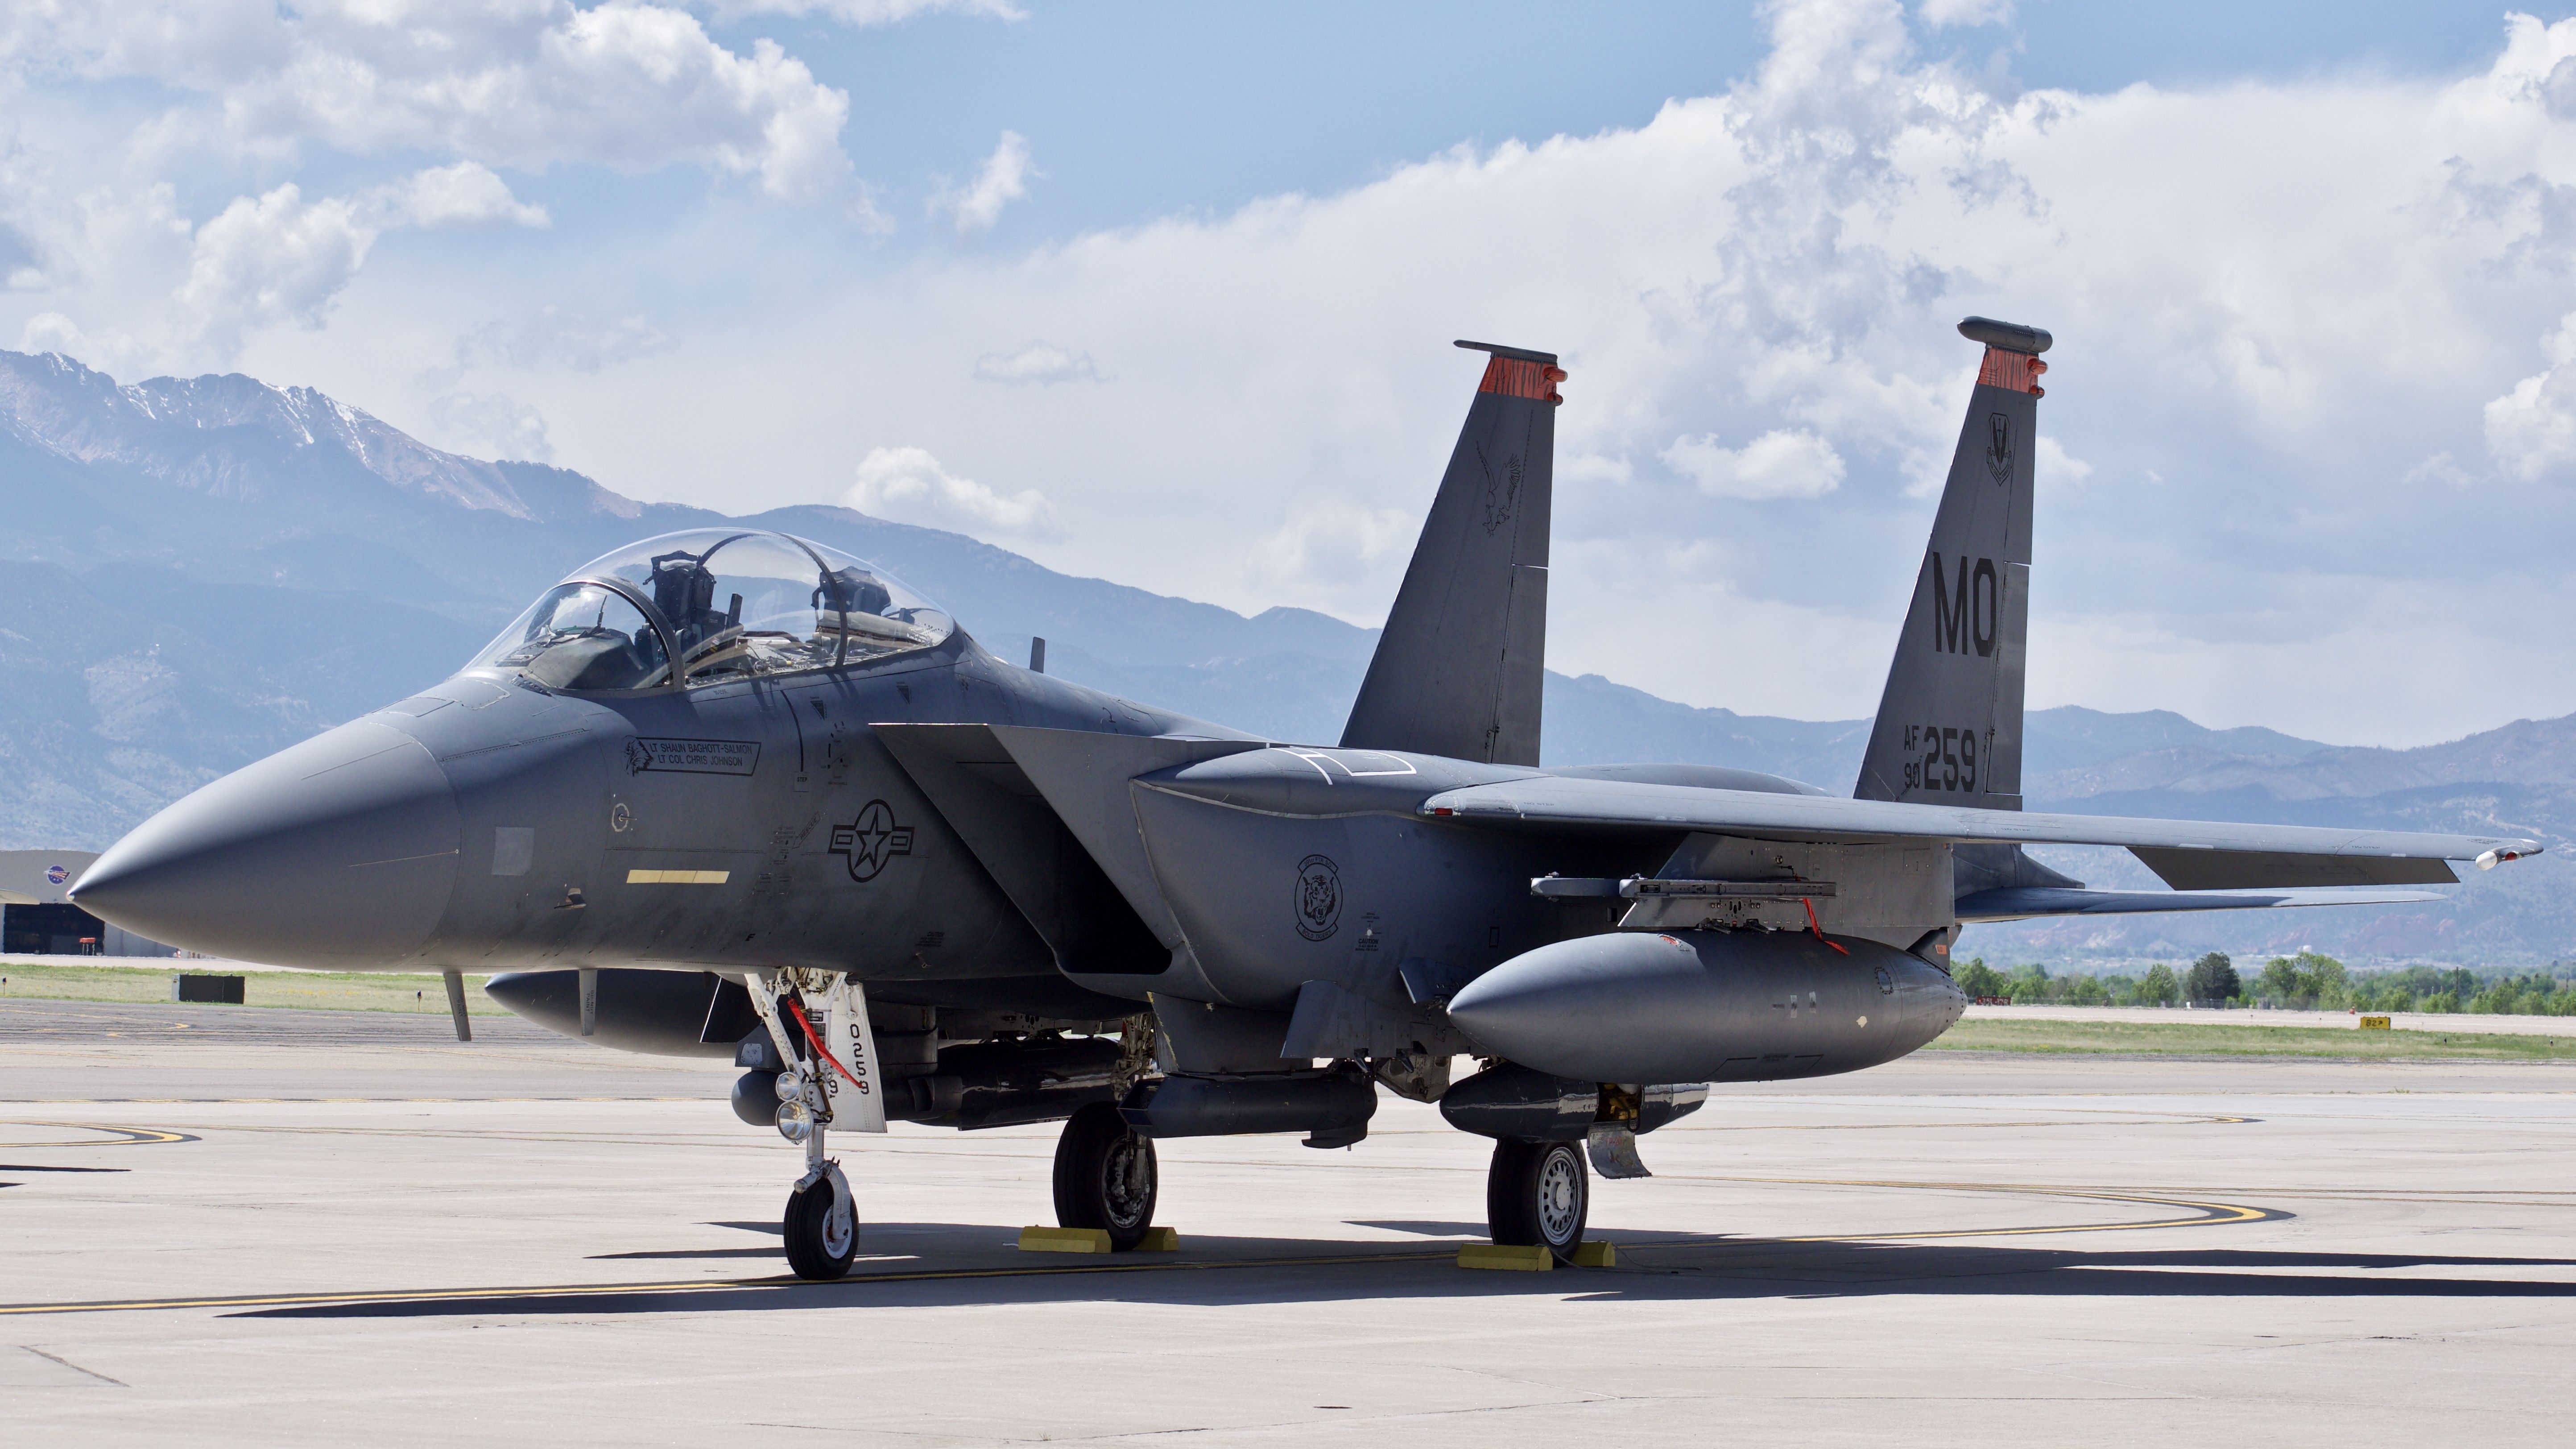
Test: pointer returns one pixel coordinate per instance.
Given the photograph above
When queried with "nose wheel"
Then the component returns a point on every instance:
(1104, 1176)
(1538, 1194)
(821, 1226)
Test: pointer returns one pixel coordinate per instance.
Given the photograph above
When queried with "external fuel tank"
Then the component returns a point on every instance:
(1707, 1006)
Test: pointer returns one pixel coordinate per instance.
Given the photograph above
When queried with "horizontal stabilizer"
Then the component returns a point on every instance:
(2023, 903)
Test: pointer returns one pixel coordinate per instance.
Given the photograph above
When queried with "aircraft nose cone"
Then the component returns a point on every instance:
(339, 852)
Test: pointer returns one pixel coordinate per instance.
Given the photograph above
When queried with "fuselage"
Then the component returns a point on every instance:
(796, 798)
(492, 824)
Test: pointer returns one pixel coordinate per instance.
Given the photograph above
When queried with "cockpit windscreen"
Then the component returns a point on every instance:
(581, 636)
(735, 603)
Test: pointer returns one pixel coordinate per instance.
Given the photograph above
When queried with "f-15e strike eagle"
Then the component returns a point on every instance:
(731, 793)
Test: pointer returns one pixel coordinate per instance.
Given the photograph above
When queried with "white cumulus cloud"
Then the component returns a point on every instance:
(1003, 180)
(1333, 539)
(269, 260)
(1939, 13)
(521, 83)
(864, 12)
(552, 339)
(276, 258)
(465, 194)
(1037, 362)
(490, 425)
(51, 332)
(2054, 467)
(908, 485)
(1779, 464)
(2532, 429)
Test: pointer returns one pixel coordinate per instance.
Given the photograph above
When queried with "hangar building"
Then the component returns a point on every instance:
(37, 917)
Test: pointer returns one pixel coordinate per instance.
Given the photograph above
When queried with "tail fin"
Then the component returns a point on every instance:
(1949, 725)
(1460, 666)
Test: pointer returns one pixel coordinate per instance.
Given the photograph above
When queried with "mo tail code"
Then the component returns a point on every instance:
(1969, 617)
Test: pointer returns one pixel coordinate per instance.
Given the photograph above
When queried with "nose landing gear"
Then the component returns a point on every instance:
(1538, 1194)
(832, 1076)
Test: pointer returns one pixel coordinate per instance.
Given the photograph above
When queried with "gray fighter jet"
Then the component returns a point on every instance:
(734, 794)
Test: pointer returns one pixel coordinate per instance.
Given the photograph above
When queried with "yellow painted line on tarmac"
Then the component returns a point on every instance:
(125, 1136)
(2207, 1214)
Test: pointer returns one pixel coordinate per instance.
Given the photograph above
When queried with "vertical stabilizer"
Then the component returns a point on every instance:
(1460, 666)
(1949, 724)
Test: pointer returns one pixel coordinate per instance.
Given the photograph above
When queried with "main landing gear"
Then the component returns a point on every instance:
(1104, 1176)
(1538, 1194)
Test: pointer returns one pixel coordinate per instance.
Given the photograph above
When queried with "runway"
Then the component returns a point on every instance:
(231, 1225)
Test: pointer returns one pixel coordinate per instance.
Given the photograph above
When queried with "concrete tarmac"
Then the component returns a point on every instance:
(232, 1225)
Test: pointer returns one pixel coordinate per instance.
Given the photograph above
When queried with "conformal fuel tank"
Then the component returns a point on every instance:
(1707, 1006)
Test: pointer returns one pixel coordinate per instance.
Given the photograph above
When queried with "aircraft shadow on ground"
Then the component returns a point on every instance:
(955, 1265)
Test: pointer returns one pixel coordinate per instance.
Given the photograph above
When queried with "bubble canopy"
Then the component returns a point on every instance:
(726, 603)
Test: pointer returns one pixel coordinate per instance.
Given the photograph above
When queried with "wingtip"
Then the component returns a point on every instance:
(2489, 860)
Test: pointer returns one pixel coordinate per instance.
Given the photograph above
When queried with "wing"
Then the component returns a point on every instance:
(2022, 903)
(2188, 854)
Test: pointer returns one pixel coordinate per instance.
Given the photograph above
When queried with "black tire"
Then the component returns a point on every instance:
(808, 1231)
(1104, 1176)
(1538, 1194)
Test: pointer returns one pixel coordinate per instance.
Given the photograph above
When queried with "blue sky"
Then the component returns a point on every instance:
(1163, 293)
(1324, 96)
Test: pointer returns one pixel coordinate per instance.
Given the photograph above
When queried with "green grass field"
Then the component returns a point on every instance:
(311, 990)
(1983, 1034)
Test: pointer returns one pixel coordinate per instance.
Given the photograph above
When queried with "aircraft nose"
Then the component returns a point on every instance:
(338, 852)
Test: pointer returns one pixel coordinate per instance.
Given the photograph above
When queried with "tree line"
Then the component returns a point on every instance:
(2308, 981)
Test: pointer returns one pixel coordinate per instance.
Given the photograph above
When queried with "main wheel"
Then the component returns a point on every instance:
(822, 1232)
(1538, 1194)
(1104, 1176)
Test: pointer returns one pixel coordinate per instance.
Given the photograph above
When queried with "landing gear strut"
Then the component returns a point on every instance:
(831, 1077)
(1538, 1194)
(1104, 1176)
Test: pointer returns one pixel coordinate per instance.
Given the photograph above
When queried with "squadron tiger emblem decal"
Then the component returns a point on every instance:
(1319, 897)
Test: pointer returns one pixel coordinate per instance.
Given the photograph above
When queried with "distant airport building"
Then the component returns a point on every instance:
(37, 917)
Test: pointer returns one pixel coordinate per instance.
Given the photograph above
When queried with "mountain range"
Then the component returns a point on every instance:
(202, 571)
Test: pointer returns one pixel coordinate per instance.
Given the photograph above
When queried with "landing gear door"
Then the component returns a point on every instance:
(858, 1103)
